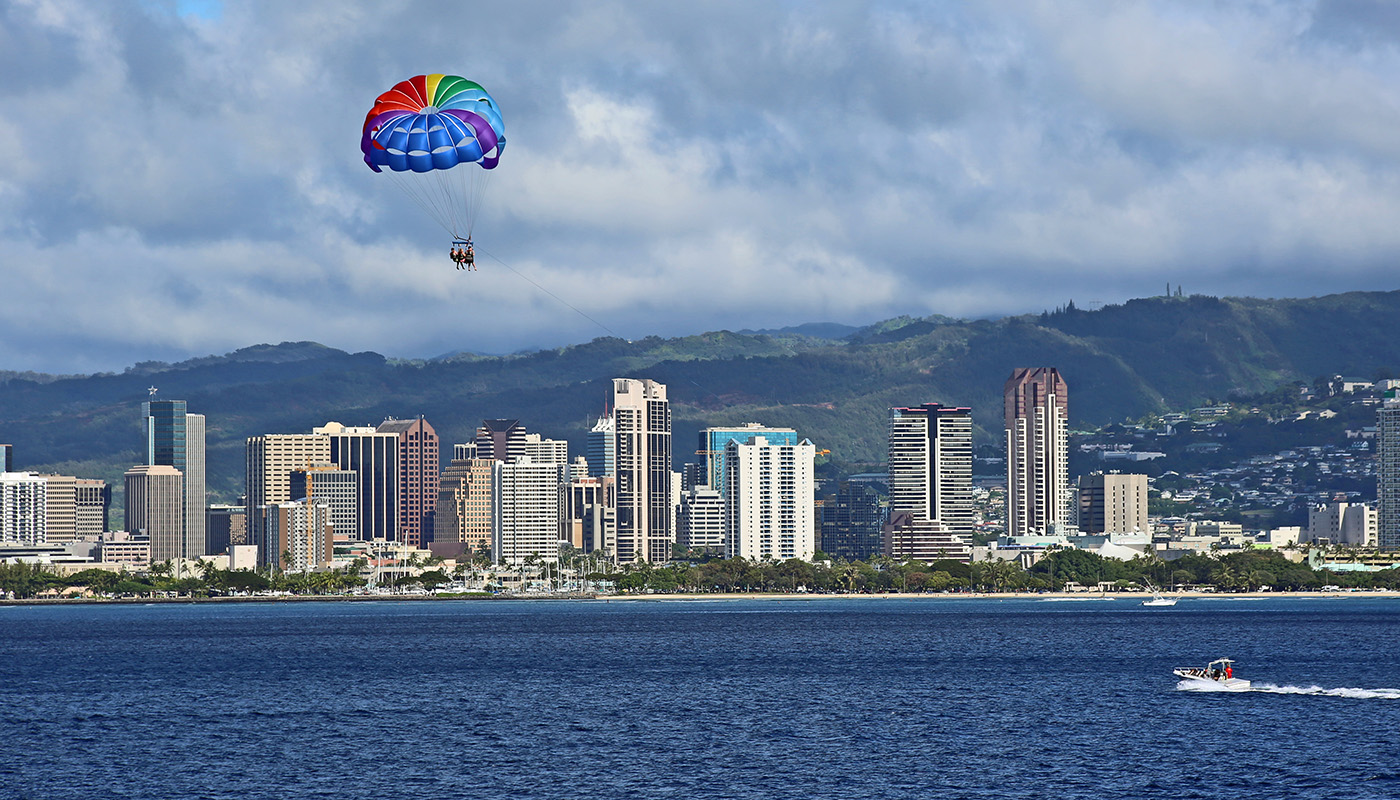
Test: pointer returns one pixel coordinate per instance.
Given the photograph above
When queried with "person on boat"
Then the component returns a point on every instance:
(1229, 672)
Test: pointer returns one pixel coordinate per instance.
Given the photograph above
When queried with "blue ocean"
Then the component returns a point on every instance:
(837, 698)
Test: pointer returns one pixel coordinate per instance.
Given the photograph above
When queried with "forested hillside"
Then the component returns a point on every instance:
(1120, 361)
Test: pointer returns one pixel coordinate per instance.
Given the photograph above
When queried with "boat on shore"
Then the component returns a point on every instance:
(1218, 675)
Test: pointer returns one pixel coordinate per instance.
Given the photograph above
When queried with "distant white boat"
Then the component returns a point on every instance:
(1218, 675)
(1159, 599)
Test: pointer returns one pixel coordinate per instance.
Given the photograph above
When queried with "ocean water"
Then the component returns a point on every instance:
(888, 698)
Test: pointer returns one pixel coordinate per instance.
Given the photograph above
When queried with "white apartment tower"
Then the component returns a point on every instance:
(531, 511)
(642, 459)
(702, 520)
(23, 508)
(769, 500)
(1037, 451)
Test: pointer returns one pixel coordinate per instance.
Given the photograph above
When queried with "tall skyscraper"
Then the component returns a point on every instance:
(713, 442)
(602, 439)
(642, 458)
(23, 508)
(1388, 475)
(374, 457)
(1037, 450)
(1113, 502)
(768, 500)
(419, 470)
(930, 451)
(155, 507)
(175, 438)
(271, 459)
(7, 458)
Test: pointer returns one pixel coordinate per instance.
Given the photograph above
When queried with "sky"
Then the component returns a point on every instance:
(183, 177)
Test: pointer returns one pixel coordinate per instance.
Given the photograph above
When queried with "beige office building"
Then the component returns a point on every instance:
(155, 508)
(468, 496)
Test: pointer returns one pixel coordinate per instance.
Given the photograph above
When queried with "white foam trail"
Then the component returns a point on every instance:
(1314, 691)
(1355, 694)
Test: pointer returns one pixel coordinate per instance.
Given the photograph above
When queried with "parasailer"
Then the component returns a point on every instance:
(428, 132)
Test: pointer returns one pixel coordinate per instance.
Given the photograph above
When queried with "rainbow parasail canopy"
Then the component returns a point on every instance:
(424, 127)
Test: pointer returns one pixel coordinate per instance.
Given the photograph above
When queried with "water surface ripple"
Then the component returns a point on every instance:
(893, 698)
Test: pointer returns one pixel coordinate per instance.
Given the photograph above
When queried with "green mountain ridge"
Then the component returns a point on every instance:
(1120, 361)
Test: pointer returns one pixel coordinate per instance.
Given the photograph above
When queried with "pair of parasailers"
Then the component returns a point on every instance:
(464, 257)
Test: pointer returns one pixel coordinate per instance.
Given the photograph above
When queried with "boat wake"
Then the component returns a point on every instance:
(1315, 691)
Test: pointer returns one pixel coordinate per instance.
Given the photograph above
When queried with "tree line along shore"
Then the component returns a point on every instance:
(1059, 571)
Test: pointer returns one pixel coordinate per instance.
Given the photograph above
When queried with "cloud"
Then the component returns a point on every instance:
(184, 178)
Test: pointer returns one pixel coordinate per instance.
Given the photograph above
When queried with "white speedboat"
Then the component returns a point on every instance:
(1218, 675)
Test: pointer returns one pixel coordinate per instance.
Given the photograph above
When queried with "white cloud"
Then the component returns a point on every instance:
(191, 184)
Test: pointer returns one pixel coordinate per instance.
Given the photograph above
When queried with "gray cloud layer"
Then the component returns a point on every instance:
(181, 183)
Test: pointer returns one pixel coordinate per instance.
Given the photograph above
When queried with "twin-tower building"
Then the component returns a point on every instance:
(930, 468)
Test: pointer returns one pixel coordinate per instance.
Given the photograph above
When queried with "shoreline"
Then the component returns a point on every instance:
(1132, 598)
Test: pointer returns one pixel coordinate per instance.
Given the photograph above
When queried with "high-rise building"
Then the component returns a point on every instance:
(713, 442)
(930, 452)
(602, 440)
(531, 511)
(468, 499)
(271, 459)
(642, 459)
(61, 508)
(1388, 475)
(155, 508)
(501, 439)
(1037, 451)
(1113, 503)
(23, 508)
(590, 522)
(224, 527)
(768, 500)
(92, 498)
(175, 438)
(419, 469)
(298, 535)
(339, 488)
(7, 458)
(702, 521)
(374, 457)
(852, 521)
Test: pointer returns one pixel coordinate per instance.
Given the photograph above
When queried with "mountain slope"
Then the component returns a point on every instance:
(1120, 361)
